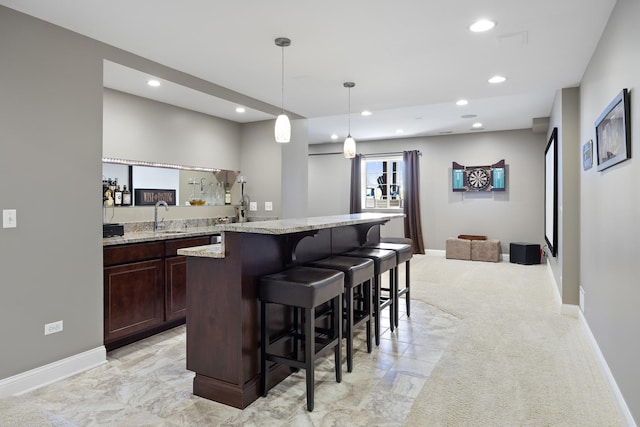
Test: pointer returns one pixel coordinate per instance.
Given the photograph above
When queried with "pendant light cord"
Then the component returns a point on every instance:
(349, 115)
(349, 85)
(282, 103)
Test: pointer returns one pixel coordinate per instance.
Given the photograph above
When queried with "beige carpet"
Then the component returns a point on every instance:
(515, 360)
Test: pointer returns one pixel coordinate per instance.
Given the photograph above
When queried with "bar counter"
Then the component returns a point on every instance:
(223, 331)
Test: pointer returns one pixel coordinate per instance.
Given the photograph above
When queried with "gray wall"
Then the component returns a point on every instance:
(610, 207)
(513, 216)
(275, 173)
(136, 128)
(294, 184)
(566, 264)
(50, 171)
(261, 164)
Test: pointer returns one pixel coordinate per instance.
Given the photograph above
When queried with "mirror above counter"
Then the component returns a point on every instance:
(140, 183)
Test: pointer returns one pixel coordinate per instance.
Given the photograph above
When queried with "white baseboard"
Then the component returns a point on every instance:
(570, 310)
(556, 288)
(435, 252)
(604, 367)
(55, 371)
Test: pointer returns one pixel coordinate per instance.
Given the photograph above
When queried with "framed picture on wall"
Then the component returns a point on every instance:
(587, 155)
(613, 133)
(551, 193)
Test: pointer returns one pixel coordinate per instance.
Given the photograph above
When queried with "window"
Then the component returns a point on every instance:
(382, 183)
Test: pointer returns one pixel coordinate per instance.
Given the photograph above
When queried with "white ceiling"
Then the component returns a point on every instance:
(410, 59)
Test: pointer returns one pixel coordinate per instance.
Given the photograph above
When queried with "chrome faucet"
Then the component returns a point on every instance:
(155, 213)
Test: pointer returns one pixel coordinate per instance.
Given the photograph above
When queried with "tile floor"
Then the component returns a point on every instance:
(146, 383)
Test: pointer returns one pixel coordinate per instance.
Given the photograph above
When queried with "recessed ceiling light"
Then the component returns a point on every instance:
(399, 131)
(240, 110)
(153, 83)
(477, 125)
(497, 79)
(334, 136)
(462, 102)
(366, 113)
(482, 25)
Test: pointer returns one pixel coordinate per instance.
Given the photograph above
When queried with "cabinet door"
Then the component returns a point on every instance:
(133, 298)
(176, 288)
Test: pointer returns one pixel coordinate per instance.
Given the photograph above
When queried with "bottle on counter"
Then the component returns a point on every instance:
(108, 198)
(126, 197)
(227, 195)
(107, 187)
(117, 196)
(219, 195)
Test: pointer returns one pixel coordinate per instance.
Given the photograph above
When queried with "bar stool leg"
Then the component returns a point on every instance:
(309, 350)
(337, 332)
(368, 309)
(393, 297)
(408, 293)
(396, 298)
(297, 345)
(376, 306)
(349, 328)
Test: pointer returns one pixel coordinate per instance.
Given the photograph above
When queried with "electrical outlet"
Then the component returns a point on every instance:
(9, 218)
(253, 206)
(268, 206)
(52, 328)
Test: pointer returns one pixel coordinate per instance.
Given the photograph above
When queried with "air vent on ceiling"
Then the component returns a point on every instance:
(513, 40)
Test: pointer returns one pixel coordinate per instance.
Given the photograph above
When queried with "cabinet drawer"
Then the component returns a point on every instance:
(173, 245)
(132, 253)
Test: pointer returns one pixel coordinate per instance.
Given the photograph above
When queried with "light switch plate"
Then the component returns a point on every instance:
(253, 206)
(9, 218)
(268, 206)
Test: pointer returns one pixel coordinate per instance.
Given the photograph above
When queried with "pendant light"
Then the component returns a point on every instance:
(283, 126)
(349, 148)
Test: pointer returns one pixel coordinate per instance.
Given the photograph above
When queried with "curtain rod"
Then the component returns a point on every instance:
(324, 154)
(392, 153)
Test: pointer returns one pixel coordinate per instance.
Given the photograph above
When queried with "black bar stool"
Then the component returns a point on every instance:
(404, 253)
(383, 260)
(302, 289)
(358, 273)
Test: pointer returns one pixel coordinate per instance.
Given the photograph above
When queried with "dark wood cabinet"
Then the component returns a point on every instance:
(133, 298)
(176, 287)
(144, 289)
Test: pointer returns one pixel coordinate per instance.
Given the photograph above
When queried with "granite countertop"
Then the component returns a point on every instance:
(215, 250)
(150, 236)
(295, 225)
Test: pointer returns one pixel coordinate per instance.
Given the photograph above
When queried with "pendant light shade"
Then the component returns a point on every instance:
(349, 148)
(283, 125)
(283, 129)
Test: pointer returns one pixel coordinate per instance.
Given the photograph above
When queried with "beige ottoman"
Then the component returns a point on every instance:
(485, 250)
(458, 248)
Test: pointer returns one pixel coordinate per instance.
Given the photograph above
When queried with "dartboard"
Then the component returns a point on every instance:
(478, 179)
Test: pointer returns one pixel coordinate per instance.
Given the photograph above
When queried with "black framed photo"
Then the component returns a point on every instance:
(587, 155)
(150, 196)
(613, 133)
